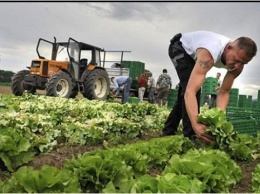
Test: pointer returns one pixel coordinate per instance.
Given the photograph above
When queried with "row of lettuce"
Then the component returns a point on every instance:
(36, 124)
(124, 169)
(32, 125)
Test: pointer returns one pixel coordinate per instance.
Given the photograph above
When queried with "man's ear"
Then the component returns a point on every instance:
(230, 47)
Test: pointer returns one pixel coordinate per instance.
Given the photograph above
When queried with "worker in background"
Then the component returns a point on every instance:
(151, 87)
(213, 97)
(119, 81)
(142, 82)
(163, 86)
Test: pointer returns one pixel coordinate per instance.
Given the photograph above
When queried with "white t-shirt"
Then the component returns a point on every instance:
(213, 42)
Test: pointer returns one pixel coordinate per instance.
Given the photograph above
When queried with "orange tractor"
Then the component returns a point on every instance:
(64, 69)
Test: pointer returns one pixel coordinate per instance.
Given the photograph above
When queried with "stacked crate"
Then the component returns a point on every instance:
(207, 89)
(249, 101)
(172, 97)
(136, 68)
(208, 86)
(254, 104)
(246, 117)
(257, 118)
(242, 101)
(258, 100)
(248, 126)
(244, 120)
(257, 110)
(233, 97)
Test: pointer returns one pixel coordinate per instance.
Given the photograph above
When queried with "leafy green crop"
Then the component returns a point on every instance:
(213, 116)
(116, 167)
(239, 146)
(15, 150)
(40, 122)
(34, 124)
(197, 171)
(256, 179)
(46, 180)
(213, 168)
(168, 183)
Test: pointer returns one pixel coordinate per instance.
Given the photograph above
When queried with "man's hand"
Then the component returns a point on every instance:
(200, 132)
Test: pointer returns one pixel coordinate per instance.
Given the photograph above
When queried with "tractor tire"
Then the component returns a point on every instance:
(59, 85)
(17, 84)
(96, 85)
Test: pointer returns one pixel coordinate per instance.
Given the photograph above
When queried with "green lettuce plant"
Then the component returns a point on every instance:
(226, 138)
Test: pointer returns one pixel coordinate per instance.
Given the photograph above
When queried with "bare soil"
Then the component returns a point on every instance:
(64, 151)
(5, 90)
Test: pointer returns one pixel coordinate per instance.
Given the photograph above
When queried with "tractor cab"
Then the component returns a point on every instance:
(83, 56)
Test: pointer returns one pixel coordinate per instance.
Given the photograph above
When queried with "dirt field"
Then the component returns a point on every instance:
(62, 152)
(5, 90)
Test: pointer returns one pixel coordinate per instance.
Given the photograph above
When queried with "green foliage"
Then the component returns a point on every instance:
(15, 150)
(5, 76)
(36, 124)
(239, 146)
(173, 183)
(41, 121)
(116, 167)
(213, 168)
(46, 180)
(196, 171)
(214, 116)
(256, 179)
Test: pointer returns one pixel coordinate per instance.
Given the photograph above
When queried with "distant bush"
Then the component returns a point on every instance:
(6, 76)
(5, 84)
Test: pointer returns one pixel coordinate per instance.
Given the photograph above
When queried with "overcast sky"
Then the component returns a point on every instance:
(143, 28)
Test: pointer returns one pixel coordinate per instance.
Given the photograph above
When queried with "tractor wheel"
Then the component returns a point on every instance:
(59, 85)
(17, 84)
(96, 85)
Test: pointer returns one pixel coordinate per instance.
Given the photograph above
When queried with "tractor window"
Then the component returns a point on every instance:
(62, 54)
(86, 54)
(74, 50)
(45, 49)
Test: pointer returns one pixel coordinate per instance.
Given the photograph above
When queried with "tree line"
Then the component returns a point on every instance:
(6, 76)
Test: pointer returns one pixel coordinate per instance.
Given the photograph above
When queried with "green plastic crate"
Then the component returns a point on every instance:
(248, 126)
(133, 100)
(136, 68)
(173, 93)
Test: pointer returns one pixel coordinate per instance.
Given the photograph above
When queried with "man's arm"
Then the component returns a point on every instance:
(223, 95)
(116, 89)
(203, 64)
